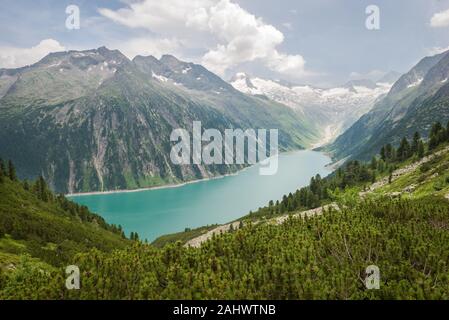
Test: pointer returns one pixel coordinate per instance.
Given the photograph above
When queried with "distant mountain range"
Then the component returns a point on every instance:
(94, 120)
(417, 100)
(331, 110)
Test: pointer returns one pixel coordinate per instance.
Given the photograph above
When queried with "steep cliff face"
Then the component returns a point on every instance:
(94, 120)
(417, 100)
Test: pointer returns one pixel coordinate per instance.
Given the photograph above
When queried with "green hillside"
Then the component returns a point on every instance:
(48, 229)
(318, 258)
(392, 213)
(417, 100)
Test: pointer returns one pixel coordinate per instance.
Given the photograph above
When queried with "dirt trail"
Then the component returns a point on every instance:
(402, 171)
(196, 242)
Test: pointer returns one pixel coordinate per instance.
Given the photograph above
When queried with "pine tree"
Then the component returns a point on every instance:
(403, 152)
(374, 163)
(383, 154)
(389, 152)
(2, 167)
(447, 131)
(26, 185)
(421, 149)
(2, 171)
(436, 134)
(415, 143)
(42, 189)
(11, 171)
(390, 177)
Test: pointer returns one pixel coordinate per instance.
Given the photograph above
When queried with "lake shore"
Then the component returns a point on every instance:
(175, 185)
(153, 214)
(165, 186)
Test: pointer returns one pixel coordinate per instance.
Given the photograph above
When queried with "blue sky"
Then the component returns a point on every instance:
(321, 42)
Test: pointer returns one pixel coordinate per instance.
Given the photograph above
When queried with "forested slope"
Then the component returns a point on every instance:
(47, 227)
(404, 233)
(318, 258)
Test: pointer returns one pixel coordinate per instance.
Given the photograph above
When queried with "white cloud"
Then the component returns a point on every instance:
(440, 19)
(149, 46)
(288, 64)
(229, 34)
(156, 15)
(13, 57)
(371, 75)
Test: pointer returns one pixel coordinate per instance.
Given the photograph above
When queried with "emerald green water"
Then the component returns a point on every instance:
(153, 213)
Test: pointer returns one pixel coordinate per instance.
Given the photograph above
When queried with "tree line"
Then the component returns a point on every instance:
(356, 173)
(41, 190)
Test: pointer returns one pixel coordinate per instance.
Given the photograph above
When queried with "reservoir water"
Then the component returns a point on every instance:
(156, 212)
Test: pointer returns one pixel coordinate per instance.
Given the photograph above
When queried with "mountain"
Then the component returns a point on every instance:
(331, 110)
(390, 77)
(417, 100)
(365, 83)
(94, 120)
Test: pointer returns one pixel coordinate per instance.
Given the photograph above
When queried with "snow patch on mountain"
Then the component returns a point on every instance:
(333, 110)
(159, 77)
(416, 83)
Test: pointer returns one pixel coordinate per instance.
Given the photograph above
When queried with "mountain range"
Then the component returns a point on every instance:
(417, 99)
(331, 110)
(94, 120)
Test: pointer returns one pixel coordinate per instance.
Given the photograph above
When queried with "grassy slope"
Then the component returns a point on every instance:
(53, 236)
(323, 257)
(431, 178)
(434, 181)
(181, 236)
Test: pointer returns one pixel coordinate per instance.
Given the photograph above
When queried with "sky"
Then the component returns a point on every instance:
(318, 42)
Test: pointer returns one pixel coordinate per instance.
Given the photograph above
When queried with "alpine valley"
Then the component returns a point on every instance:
(332, 110)
(415, 102)
(96, 121)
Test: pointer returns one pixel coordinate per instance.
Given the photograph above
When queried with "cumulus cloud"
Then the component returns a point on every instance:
(234, 35)
(149, 46)
(13, 57)
(440, 19)
(155, 15)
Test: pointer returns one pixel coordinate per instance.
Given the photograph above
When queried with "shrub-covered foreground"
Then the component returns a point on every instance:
(322, 257)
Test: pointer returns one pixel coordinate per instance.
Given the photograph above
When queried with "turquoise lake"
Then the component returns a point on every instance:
(156, 212)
